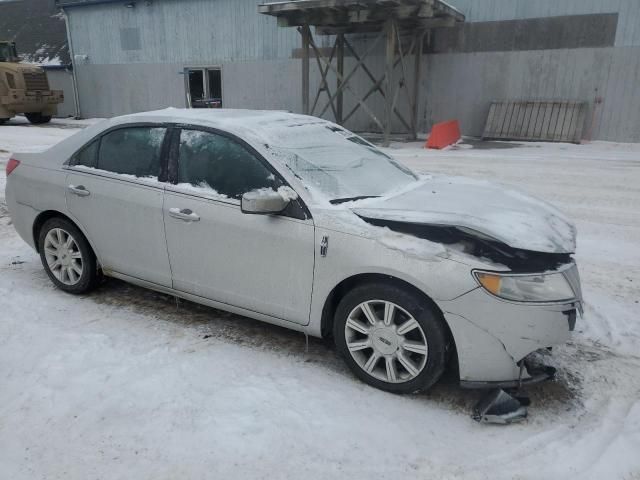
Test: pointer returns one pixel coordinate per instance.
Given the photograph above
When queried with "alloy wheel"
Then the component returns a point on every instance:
(386, 341)
(63, 256)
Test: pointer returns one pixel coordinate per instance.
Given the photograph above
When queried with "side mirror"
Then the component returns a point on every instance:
(263, 202)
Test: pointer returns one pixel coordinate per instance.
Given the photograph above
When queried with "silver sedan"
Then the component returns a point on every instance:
(298, 222)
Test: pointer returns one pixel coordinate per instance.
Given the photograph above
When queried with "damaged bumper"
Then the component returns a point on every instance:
(493, 336)
(530, 375)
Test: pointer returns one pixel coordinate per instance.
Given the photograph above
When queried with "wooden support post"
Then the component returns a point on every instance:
(339, 89)
(305, 31)
(324, 85)
(417, 76)
(390, 29)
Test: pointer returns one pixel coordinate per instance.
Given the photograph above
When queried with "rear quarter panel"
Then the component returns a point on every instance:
(31, 190)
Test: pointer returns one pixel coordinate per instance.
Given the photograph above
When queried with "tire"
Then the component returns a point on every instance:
(77, 268)
(403, 364)
(37, 118)
(3, 120)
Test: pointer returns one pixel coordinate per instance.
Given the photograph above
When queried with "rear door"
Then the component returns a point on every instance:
(262, 263)
(115, 193)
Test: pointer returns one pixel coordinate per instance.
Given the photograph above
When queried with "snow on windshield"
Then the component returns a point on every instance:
(340, 164)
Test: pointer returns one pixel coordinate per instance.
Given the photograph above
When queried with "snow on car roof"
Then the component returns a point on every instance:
(258, 127)
(269, 126)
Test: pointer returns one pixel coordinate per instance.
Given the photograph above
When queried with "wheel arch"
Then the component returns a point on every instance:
(48, 214)
(346, 285)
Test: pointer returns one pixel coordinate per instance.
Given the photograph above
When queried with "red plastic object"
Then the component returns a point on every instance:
(11, 165)
(444, 134)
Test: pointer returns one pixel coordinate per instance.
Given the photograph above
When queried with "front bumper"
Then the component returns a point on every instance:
(493, 335)
(20, 101)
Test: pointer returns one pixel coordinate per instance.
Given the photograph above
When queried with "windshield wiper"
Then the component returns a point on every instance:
(336, 201)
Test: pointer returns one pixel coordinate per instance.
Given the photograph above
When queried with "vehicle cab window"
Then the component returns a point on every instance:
(132, 151)
(87, 156)
(220, 165)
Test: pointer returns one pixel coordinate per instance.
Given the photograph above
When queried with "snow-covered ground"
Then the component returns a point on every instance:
(125, 383)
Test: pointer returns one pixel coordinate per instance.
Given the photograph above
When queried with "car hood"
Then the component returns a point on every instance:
(488, 210)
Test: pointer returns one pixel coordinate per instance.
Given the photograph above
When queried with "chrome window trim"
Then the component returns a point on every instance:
(115, 176)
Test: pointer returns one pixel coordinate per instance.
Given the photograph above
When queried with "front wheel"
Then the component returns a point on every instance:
(391, 338)
(37, 118)
(67, 256)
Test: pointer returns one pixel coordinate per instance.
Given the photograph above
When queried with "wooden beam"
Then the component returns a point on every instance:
(340, 98)
(344, 81)
(350, 13)
(377, 84)
(390, 31)
(305, 31)
(324, 84)
(417, 75)
(345, 85)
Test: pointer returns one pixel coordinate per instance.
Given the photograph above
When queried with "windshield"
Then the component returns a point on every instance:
(7, 52)
(347, 168)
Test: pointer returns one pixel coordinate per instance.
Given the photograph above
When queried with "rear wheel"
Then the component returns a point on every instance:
(3, 120)
(37, 118)
(67, 257)
(391, 338)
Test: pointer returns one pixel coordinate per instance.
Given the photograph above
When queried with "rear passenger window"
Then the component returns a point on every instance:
(88, 156)
(220, 165)
(132, 151)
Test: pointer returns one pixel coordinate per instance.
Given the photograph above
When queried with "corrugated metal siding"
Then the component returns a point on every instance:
(488, 10)
(60, 79)
(611, 74)
(258, 71)
(175, 31)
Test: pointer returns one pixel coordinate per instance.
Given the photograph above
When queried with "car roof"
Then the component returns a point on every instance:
(261, 128)
(268, 126)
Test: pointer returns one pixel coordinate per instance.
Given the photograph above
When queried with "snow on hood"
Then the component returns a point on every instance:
(492, 210)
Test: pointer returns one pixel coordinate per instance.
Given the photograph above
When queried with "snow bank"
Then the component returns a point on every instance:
(124, 384)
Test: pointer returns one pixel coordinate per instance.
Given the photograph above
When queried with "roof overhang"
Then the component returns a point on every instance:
(351, 16)
(81, 3)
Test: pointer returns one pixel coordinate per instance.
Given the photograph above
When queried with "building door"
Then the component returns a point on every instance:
(203, 87)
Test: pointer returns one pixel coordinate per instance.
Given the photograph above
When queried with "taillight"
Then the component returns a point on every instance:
(11, 166)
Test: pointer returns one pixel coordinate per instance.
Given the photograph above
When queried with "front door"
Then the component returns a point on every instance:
(262, 263)
(114, 194)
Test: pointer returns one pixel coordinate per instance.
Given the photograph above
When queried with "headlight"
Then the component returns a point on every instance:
(552, 287)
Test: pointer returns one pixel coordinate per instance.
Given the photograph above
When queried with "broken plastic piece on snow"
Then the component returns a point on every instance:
(499, 407)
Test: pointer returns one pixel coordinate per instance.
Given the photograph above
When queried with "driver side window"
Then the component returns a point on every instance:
(220, 165)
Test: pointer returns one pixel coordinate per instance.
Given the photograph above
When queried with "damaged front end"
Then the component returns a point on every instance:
(478, 245)
(507, 402)
(525, 301)
(501, 408)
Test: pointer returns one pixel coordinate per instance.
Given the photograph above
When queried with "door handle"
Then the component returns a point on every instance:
(79, 190)
(184, 214)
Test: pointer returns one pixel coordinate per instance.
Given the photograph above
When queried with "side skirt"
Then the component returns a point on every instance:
(209, 303)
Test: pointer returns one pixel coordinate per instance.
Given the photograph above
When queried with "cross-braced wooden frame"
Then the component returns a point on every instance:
(390, 85)
(400, 24)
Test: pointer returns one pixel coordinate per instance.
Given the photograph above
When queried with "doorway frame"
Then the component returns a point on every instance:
(204, 69)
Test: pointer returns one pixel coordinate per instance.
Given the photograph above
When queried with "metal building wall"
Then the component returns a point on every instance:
(62, 79)
(147, 47)
(492, 10)
(462, 85)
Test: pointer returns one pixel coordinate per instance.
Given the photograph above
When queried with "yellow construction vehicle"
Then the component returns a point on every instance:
(25, 89)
